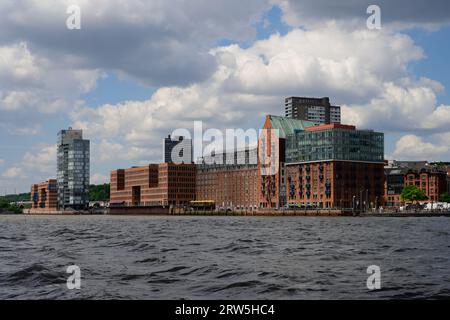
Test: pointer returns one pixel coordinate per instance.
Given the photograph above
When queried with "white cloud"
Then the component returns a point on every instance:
(13, 172)
(158, 42)
(34, 83)
(36, 165)
(365, 70)
(98, 178)
(298, 62)
(44, 70)
(401, 107)
(414, 147)
(2, 162)
(18, 65)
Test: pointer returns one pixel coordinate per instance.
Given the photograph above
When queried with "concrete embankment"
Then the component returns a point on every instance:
(161, 211)
(182, 212)
(407, 214)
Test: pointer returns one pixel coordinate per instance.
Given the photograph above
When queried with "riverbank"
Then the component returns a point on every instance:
(407, 214)
(161, 211)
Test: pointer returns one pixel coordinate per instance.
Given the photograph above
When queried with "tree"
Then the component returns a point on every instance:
(99, 192)
(413, 193)
(445, 197)
(6, 206)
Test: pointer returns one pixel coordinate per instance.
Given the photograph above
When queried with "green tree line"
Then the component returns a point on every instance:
(5, 206)
(99, 192)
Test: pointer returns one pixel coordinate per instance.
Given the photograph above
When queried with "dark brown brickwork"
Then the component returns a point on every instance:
(335, 184)
(229, 186)
(154, 185)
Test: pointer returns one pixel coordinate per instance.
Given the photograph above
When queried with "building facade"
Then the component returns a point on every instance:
(228, 186)
(335, 166)
(177, 150)
(44, 197)
(316, 110)
(237, 157)
(393, 186)
(432, 180)
(165, 184)
(335, 184)
(73, 163)
(272, 159)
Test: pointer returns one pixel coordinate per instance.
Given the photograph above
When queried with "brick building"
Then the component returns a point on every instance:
(44, 197)
(154, 185)
(272, 160)
(335, 184)
(394, 185)
(229, 186)
(430, 179)
(335, 166)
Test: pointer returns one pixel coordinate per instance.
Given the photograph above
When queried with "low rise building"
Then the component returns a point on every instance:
(432, 180)
(228, 186)
(394, 185)
(165, 184)
(44, 197)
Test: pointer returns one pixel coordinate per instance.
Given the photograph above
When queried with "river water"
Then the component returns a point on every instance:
(157, 257)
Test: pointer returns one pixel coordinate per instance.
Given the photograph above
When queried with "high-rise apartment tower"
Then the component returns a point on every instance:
(73, 169)
(317, 110)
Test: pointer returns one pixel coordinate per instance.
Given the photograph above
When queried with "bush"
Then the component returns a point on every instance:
(445, 197)
(4, 204)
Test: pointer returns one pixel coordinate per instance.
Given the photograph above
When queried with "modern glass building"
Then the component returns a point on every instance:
(334, 142)
(73, 169)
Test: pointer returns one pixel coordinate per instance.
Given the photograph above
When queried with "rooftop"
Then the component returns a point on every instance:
(287, 126)
(331, 126)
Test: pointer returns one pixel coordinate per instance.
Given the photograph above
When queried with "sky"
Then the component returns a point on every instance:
(136, 70)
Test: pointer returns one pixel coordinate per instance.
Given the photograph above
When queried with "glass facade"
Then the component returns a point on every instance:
(73, 169)
(335, 144)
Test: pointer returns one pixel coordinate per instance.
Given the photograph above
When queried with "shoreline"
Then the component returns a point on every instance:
(312, 213)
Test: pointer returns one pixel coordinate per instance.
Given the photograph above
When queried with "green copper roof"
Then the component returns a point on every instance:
(287, 126)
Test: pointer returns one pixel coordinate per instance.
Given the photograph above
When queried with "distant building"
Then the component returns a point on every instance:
(73, 163)
(44, 197)
(153, 185)
(335, 166)
(237, 157)
(228, 186)
(431, 178)
(317, 110)
(394, 186)
(229, 179)
(177, 150)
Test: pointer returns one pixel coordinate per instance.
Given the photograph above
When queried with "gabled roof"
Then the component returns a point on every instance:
(287, 126)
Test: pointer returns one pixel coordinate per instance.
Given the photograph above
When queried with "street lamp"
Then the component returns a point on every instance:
(353, 204)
